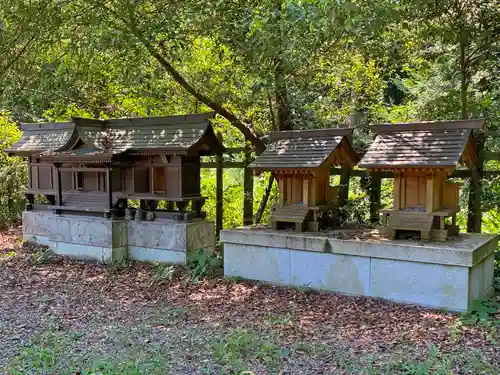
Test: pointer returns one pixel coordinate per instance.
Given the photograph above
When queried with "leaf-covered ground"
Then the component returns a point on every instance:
(67, 317)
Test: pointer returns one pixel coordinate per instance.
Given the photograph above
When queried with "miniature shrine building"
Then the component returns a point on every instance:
(96, 166)
(422, 156)
(301, 162)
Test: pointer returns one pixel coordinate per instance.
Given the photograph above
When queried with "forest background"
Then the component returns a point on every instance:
(260, 65)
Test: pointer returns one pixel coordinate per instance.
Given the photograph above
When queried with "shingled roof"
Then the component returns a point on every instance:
(302, 149)
(88, 137)
(424, 144)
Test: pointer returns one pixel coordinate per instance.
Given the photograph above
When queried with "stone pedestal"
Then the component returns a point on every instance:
(106, 240)
(448, 275)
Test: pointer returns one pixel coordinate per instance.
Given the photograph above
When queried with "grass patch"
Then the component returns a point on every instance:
(235, 350)
(47, 355)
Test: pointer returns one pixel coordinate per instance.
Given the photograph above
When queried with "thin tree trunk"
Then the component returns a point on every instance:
(283, 120)
(474, 216)
(464, 82)
(265, 198)
(282, 108)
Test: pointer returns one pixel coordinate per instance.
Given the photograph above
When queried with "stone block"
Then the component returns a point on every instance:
(338, 273)
(481, 275)
(105, 239)
(160, 234)
(156, 255)
(262, 237)
(200, 235)
(257, 263)
(435, 274)
(86, 252)
(426, 284)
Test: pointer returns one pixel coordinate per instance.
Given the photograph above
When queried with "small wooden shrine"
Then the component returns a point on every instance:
(422, 156)
(301, 162)
(96, 166)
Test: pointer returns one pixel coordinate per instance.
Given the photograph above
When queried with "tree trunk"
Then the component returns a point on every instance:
(464, 82)
(282, 108)
(256, 142)
(474, 216)
(263, 202)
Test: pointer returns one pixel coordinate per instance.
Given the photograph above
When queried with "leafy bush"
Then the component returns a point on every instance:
(163, 273)
(232, 210)
(13, 175)
(201, 263)
(491, 224)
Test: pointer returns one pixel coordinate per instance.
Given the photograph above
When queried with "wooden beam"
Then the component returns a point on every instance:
(489, 156)
(219, 188)
(79, 169)
(227, 164)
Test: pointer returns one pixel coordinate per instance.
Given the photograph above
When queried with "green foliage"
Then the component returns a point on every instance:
(233, 195)
(201, 264)
(483, 314)
(163, 273)
(13, 174)
(241, 345)
(342, 63)
(41, 255)
(43, 356)
(118, 265)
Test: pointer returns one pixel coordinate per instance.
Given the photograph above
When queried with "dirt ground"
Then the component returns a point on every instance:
(66, 317)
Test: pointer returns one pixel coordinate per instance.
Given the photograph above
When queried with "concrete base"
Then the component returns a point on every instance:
(448, 275)
(107, 240)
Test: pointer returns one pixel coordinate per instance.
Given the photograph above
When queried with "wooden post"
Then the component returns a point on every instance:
(344, 191)
(305, 192)
(247, 190)
(288, 181)
(375, 187)
(429, 197)
(282, 189)
(474, 217)
(219, 177)
(110, 187)
(59, 185)
(396, 204)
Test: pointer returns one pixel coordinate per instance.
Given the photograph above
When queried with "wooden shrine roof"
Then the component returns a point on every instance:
(441, 144)
(300, 149)
(88, 138)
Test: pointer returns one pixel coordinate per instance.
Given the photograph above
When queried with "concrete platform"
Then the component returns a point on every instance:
(448, 275)
(106, 240)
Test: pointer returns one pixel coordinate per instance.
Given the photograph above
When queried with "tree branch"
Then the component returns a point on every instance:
(17, 56)
(153, 50)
